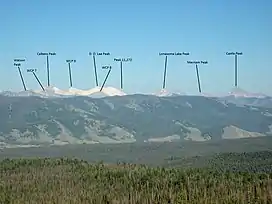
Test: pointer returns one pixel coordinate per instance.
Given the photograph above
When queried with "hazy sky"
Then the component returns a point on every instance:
(139, 29)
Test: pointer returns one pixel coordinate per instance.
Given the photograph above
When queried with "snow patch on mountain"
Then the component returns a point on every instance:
(238, 92)
(164, 93)
(56, 92)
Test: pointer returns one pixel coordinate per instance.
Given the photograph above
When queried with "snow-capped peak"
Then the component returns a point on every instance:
(238, 92)
(164, 93)
(56, 92)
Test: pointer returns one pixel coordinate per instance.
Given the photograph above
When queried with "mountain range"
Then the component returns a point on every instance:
(36, 120)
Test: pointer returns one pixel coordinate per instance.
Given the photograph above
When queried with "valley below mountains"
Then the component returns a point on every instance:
(32, 121)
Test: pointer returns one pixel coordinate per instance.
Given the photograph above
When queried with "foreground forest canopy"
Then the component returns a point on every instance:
(64, 180)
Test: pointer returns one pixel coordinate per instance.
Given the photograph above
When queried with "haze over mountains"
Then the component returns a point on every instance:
(37, 120)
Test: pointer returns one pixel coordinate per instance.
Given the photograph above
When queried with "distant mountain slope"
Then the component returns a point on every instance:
(236, 96)
(251, 101)
(130, 118)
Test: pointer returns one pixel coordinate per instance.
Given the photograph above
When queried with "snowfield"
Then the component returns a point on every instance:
(111, 91)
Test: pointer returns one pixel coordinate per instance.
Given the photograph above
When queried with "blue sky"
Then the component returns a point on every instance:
(139, 29)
